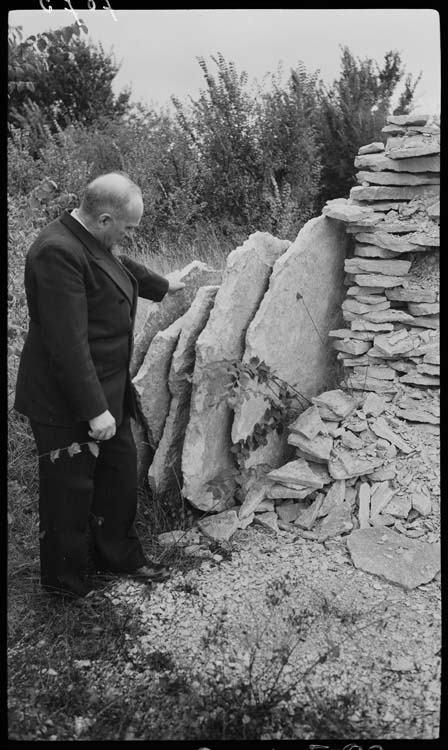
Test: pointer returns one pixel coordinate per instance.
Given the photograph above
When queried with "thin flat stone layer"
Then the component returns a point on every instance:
(412, 146)
(397, 178)
(380, 162)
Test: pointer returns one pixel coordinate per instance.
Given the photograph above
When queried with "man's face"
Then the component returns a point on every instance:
(116, 228)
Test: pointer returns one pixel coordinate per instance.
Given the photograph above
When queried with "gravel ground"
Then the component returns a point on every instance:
(352, 642)
(284, 637)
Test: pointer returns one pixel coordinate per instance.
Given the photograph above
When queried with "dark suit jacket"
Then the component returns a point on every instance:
(81, 302)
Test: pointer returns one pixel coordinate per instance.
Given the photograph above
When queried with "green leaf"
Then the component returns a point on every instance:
(54, 455)
(94, 449)
(42, 44)
(73, 449)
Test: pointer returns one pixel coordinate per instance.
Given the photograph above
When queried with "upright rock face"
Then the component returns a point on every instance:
(151, 382)
(165, 475)
(206, 454)
(289, 331)
(161, 314)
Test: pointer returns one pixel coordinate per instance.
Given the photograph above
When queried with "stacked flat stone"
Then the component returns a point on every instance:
(392, 314)
(343, 475)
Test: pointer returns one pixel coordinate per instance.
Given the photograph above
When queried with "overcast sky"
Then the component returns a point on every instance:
(158, 49)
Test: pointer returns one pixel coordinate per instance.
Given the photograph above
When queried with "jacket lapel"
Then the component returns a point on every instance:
(104, 259)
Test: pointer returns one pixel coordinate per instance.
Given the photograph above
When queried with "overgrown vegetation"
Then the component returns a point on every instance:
(230, 162)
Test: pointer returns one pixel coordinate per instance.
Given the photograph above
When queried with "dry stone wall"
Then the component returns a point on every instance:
(358, 289)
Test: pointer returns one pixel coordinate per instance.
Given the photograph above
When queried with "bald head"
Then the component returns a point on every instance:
(110, 193)
(111, 208)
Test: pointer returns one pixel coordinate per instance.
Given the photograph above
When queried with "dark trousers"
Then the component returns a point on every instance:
(83, 496)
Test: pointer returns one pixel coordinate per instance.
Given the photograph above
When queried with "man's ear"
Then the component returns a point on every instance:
(104, 220)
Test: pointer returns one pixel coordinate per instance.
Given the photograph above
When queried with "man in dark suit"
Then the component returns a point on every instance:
(74, 384)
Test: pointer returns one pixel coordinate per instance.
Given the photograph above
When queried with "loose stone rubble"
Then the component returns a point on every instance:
(342, 468)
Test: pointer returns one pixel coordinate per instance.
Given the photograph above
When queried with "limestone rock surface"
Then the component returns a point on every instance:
(394, 557)
(206, 455)
(304, 294)
(160, 315)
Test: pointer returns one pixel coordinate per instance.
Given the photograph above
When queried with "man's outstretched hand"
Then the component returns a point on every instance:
(175, 286)
(103, 426)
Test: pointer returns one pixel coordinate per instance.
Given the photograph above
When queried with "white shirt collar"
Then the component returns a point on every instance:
(75, 215)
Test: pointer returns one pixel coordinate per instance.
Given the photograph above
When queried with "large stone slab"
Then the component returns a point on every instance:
(378, 280)
(160, 315)
(151, 381)
(394, 557)
(412, 146)
(290, 328)
(411, 294)
(373, 251)
(342, 210)
(206, 455)
(387, 193)
(372, 148)
(387, 241)
(397, 178)
(380, 162)
(412, 118)
(387, 267)
(165, 475)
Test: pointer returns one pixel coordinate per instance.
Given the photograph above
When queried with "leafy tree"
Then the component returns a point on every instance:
(67, 78)
(353, 112)
(219, 127)
(290, 148)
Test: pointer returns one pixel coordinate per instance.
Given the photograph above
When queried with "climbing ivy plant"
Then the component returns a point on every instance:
(284, 404)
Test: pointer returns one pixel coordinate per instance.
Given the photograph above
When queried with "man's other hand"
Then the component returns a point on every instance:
(103, 426)
(175, 286)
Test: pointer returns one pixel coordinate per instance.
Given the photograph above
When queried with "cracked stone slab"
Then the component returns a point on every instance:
(380, 162)
(412, 146)
(206, 455)
(386, 193)
(397, 178)
(387, 241)
(393, 557)
(305, 289)
(160, 315)
(386, 267)
(165, 473)
(151, 381)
